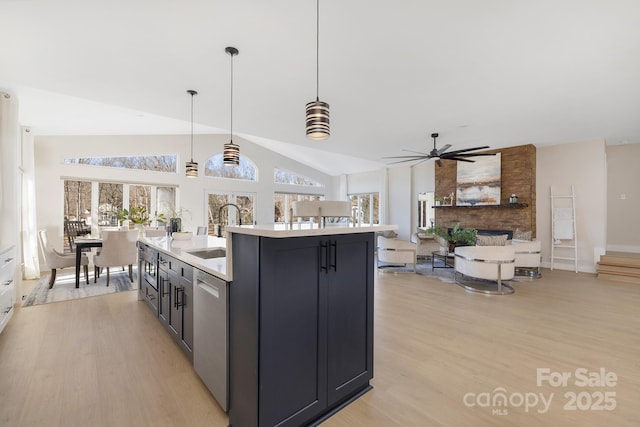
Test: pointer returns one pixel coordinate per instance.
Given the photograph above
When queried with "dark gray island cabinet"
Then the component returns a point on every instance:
(301, 326)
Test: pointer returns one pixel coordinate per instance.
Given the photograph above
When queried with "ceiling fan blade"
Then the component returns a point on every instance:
(471, 154)
(464, 150)
(443, 149)
(414, 159)
(459, 159)
(408, 157)
(416, 152)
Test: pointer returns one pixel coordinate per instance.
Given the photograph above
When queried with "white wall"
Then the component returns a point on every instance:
(423, 180)
(623, 198)
(400, 200)
(583, 165)
(50, 172)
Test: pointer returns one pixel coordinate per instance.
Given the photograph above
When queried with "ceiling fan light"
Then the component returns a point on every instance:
(317, 120)
(231, 154)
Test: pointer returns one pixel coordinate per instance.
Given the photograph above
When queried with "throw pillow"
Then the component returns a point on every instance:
(491, 240)
(521, 235)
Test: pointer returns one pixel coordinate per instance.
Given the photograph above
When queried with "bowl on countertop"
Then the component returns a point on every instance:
(181, 235)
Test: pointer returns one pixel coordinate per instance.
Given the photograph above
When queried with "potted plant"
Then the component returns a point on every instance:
(174, 217)
(136, 215)
(457, 236)
(437, 200)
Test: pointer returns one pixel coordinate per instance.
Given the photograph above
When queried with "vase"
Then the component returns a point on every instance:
(175, 224)
(452, 247)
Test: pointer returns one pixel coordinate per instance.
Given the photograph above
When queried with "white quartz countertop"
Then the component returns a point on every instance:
(180, 249)
(301, 230)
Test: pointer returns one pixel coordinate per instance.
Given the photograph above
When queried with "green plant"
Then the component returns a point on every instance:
(457, 235)
(137, 215)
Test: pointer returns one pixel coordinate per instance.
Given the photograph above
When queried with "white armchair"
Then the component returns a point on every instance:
(54, 259)
(491, 263)
(426, 244)
(528, 257)
(118, 249)
(396, 251)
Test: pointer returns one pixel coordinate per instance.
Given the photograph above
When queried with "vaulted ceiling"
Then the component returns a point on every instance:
(493, 72)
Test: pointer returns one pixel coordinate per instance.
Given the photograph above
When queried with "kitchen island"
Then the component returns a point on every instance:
(300, 322)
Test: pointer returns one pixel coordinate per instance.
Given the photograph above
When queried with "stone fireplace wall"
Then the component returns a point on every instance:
(518, 176)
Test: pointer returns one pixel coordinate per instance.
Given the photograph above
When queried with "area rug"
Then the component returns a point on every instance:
(438, 271)
(423, 268)
(65, 289)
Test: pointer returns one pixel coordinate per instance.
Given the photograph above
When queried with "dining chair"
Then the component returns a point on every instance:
(203, 230)
(55, 260)
(118, 249)
(74, 229)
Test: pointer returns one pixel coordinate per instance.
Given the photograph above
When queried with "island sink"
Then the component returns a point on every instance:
(209, 253)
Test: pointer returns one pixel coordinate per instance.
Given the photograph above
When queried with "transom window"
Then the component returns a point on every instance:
(283, 176)
(215, 167)
(161, 163)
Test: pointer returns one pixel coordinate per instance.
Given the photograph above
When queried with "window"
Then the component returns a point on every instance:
(229, 215)
(426, 213)
(282, 204)
(98, 203)
(282, 176)
(77, 200)
(161, 163)
(216, 168)
(110, 202)
(366, 208)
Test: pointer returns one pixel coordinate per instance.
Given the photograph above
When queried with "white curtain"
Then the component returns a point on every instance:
(9, 143)
(29, 232)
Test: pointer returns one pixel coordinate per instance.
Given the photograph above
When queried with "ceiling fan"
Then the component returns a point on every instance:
(442, 154)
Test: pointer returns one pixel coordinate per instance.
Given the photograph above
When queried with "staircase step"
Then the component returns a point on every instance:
(616, 269)
(621, 259)
(619, 278)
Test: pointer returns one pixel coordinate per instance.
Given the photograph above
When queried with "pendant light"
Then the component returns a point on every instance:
(231, 153)
(317, 112)
(191, 167)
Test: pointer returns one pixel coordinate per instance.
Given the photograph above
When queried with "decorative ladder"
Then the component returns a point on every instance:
(563, 226)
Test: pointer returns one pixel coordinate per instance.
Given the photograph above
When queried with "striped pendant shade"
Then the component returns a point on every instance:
(317, 120)
(231, 154)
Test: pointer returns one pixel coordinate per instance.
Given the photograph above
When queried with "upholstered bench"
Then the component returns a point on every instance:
(395, 251)
(488, 263)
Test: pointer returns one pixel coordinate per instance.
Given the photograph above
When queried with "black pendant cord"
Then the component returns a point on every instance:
(317, 50)
(231, 126)
(192, 93)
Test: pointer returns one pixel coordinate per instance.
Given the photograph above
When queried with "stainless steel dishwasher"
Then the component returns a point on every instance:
(210, 334)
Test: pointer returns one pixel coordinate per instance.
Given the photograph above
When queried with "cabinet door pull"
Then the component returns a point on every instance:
(179, 302)
(8, 282)
(324, 257)
(334, 265)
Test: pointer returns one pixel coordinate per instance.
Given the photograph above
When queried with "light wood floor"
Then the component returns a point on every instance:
(106, 361)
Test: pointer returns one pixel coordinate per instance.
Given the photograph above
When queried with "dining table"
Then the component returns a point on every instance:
(81, 244)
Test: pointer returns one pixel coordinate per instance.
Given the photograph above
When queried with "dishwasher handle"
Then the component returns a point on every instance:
(209, 288)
